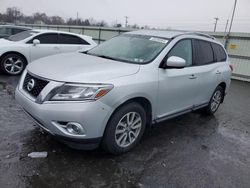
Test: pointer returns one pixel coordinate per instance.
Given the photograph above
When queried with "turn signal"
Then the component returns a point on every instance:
(101, 93)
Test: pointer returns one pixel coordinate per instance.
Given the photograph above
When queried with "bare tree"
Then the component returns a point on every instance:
(57, 20)
(41, 17)
(117, 25)
(13, 14)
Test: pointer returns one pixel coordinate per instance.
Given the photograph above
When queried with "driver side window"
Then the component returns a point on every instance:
(183, 49)
(50, 38)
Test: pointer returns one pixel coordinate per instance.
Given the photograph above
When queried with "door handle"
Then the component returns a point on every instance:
(218, 72)
(192, 76)
(56, 48)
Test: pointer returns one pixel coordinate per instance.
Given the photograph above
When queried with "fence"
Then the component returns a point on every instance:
(237, 44)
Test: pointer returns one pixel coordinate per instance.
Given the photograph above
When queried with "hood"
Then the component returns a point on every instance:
(80, 68)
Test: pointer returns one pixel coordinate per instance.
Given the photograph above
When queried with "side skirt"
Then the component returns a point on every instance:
(194, 108)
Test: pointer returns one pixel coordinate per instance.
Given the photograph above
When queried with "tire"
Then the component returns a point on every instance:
(12, 64)
(121, 135)
(215, 101)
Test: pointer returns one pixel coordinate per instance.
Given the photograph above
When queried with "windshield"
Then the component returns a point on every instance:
(130, 48)
(22, 35)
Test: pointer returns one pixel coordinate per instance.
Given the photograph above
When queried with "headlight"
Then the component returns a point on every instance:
(80, 92)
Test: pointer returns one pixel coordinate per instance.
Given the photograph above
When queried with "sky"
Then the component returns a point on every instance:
(174, 14)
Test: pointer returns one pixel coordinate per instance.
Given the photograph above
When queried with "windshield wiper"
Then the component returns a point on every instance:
(104, 56)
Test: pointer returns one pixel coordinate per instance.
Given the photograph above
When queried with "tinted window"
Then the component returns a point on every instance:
(203, 52)
(15, 31)
(5, 31)
(70, 39)
(47, 38)
(219, 53)
(182, 49)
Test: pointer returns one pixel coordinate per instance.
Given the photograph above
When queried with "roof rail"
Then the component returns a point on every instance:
(197, 34)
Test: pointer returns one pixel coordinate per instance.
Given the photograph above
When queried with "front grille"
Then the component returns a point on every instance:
(38, 85)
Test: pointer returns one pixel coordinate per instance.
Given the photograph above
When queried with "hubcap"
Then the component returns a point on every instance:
(13, 65)
(216, 100)
(128, 129)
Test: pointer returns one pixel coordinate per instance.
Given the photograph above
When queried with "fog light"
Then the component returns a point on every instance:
(70, 128)
(74, 128)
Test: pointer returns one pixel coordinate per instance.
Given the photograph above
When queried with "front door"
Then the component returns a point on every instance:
(48, 46)
(177, 87)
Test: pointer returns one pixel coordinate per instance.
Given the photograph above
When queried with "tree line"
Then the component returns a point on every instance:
(14, 15)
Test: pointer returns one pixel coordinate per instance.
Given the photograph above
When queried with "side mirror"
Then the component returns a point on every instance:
(175, 62)
(36, 42)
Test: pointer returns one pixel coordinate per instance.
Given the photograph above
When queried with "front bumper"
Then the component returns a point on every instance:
(93, 116)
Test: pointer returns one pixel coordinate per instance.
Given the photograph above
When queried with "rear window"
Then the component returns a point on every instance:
(203, 52)
(219, 53)
(70, 39)
(15, 31)
(5, 31)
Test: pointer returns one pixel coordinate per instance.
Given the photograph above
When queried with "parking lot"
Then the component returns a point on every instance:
(190, 151)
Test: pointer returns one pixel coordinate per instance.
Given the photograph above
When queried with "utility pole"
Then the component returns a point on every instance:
(232, 19)
(226, 28)
(215, 25)
(126, 21)
(231, 23)
(225, 35)
(77, 18)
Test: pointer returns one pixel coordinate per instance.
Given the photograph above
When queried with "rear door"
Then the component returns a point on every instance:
(208, 73)
(48, 46)
(177, 87)
(72, 43)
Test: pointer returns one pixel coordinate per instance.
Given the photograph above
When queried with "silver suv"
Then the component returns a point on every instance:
(109, 95)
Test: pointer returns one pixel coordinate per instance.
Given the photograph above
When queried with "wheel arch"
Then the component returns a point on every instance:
(144, 102)
(14, 52)
(223, 85)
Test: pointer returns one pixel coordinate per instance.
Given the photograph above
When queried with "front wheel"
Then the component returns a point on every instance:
(215, 101)
(12, 64)
(124, 129)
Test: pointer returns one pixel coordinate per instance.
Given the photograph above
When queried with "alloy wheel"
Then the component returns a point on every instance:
(216, 100)
(128, 129)
(13, 65)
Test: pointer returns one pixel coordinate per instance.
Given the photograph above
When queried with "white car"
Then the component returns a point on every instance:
(18, 50)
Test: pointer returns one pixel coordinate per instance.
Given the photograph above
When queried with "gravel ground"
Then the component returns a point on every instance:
(189, 151)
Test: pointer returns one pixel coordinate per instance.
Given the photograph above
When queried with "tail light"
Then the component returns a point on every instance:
(231, 67)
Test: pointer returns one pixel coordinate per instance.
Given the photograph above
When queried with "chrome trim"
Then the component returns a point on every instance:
(43, 94)
(63, 130)
(176, 114)
(37, 123)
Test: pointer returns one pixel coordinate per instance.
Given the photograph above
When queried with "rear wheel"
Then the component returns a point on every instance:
(125, 129)
(215, 101)
(12, 64)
